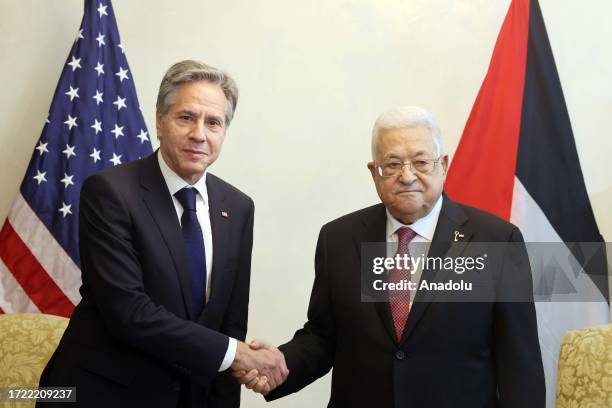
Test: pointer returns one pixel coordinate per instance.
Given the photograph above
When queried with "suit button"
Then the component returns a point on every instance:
(400, 355)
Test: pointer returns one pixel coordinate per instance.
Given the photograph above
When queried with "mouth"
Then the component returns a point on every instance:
(407, 192)
(194, 153)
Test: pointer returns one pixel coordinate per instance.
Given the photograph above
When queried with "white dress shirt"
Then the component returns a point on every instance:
(424, 227)
(176, 183)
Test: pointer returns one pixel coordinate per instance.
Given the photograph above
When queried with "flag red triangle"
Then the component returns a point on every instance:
(483, 167)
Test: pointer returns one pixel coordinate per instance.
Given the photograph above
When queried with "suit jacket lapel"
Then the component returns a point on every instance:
(159, 202)
(374, 229)
(452, 218)
(220, 234)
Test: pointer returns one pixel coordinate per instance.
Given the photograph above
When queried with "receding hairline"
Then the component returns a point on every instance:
(406, 117)
(189, 105)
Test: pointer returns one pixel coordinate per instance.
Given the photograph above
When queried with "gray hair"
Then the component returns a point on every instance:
(192, 71)
(407, 117)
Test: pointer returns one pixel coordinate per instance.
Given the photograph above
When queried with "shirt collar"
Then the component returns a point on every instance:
(175, 182)
(424, 227)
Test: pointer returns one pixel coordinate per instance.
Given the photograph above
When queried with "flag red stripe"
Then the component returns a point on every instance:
(32, 277)
(483, 168)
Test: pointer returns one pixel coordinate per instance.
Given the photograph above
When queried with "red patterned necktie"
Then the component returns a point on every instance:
(399, 300)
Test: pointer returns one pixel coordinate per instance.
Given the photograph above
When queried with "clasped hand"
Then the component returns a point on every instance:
(259, 366)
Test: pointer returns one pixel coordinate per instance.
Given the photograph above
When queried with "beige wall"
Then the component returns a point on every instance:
(313, 77)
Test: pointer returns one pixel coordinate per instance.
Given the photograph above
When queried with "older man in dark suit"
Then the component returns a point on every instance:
(399, 353)
(166, 256)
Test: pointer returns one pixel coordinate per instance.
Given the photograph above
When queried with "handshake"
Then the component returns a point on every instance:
(259, 366)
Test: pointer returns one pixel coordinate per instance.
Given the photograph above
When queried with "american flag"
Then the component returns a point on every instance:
(94, 122)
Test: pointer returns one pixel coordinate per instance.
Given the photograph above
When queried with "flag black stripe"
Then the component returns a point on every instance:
(547, 162)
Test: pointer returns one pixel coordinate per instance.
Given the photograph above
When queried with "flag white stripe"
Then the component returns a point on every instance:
(45, 248)
(13, 299)
(534, 225)
(555, 318)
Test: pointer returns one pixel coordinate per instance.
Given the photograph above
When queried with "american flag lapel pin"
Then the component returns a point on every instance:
(224, 214)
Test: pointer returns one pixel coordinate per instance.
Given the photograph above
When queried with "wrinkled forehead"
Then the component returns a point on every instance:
(405, 143)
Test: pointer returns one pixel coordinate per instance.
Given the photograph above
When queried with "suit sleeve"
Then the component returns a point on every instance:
(114, 276)
(518, 362)
(225, 391)
(310, 354)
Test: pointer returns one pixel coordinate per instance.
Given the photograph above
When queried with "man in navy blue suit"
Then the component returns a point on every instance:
(165, 257)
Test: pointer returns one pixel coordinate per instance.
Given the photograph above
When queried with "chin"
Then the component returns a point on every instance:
(409, 207)
(195, 167)
(191, 172)
(404, 212)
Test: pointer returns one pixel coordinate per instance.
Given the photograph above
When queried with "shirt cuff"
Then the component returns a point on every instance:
(230, 354)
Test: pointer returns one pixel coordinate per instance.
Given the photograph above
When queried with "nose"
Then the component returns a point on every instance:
(198, 132)
(407, 176)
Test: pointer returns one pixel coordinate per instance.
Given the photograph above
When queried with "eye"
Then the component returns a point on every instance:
(185, 118)
(393, 165)
(420, 163)
(214, 122)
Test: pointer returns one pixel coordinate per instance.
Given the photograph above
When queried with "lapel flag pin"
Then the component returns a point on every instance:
(224, 214)
(458, 235)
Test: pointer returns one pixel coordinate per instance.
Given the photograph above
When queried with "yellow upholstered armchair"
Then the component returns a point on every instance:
(585, 369)
(26, 344)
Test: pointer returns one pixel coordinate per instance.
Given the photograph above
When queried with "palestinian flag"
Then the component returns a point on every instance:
(517, 159)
